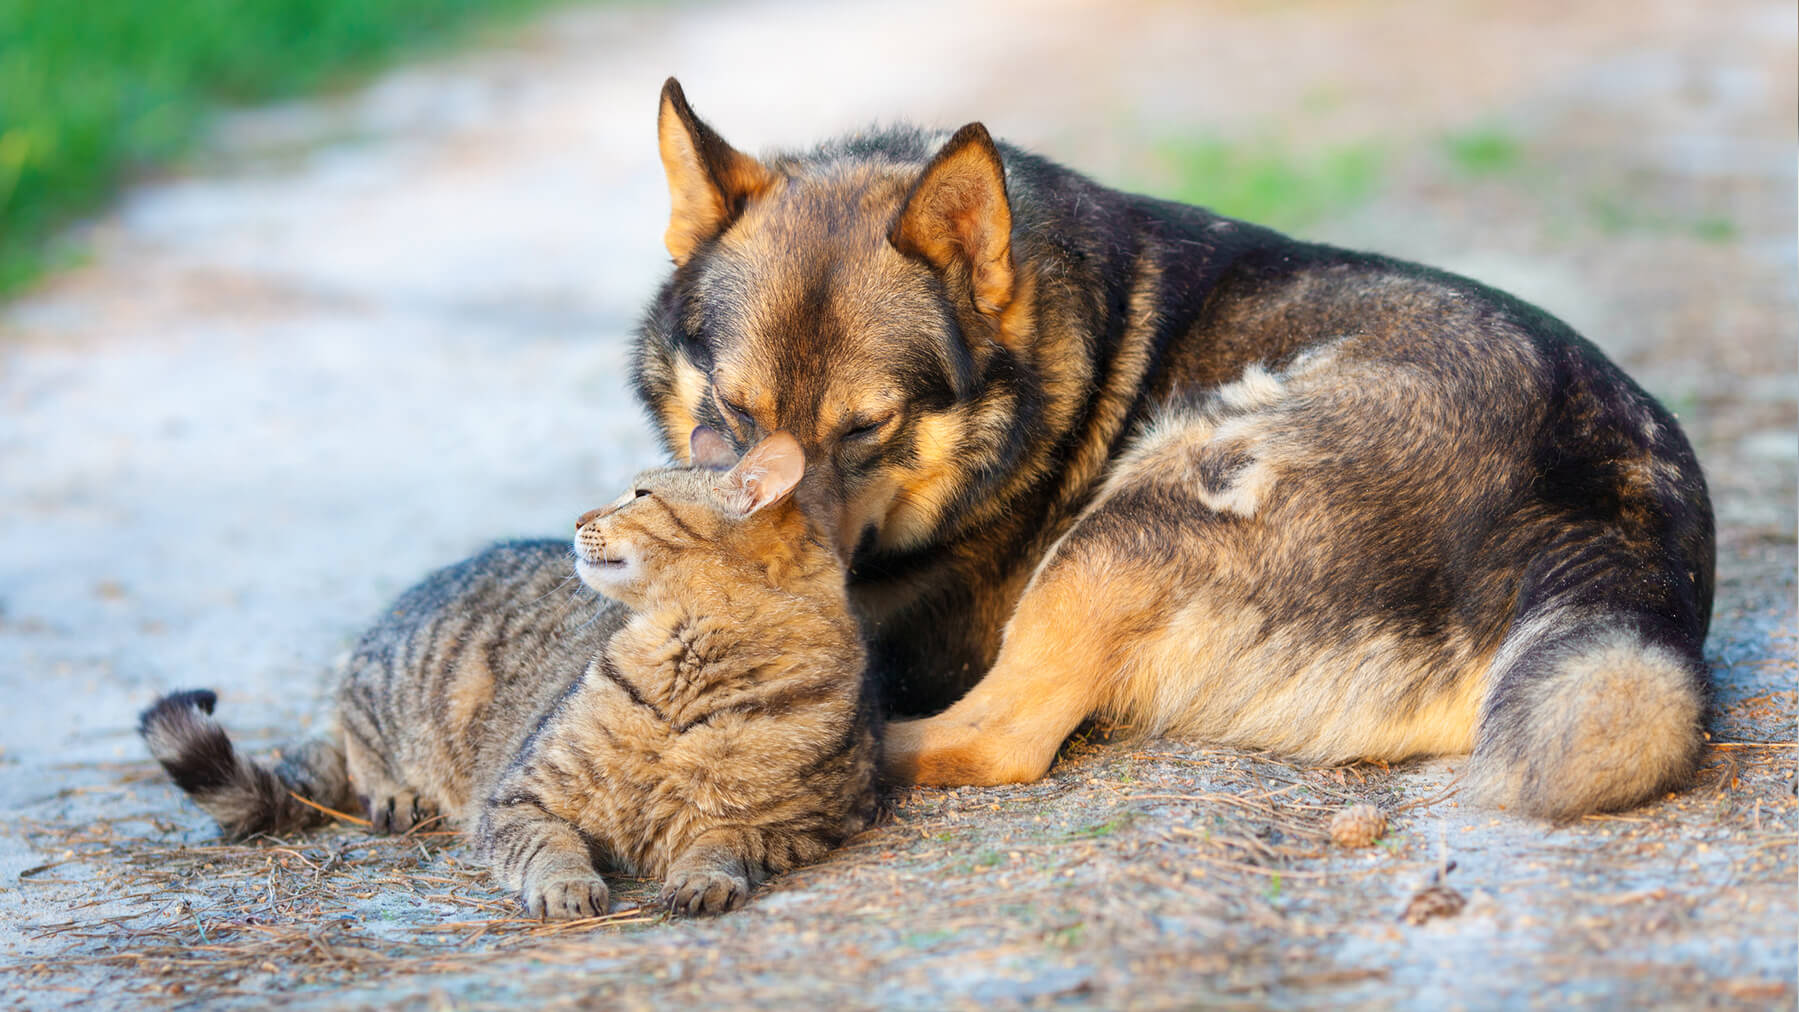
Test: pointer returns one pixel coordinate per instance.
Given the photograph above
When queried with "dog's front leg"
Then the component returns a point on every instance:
(1055, 667)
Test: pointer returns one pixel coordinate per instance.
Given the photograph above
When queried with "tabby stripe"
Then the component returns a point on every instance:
(543, 723)
(775, 704)
(612, 674)
(525, 798)
(494, 836)
(669, 543)
(458, 744)
(523, 863)
(678, 522)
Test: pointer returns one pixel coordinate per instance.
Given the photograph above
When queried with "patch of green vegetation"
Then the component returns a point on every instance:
(1099, 830)
(1067, 937)
(1715, 228)
(1616, 216)
(926, 939)
(1613, 215)
(1269, 183)
(1274, 887)
(989, 858)
(92, 91)
(1484, 151)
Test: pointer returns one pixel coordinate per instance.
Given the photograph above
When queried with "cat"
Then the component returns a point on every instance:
(708, 727)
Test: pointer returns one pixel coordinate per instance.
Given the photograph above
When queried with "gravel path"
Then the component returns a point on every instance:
(373, 333)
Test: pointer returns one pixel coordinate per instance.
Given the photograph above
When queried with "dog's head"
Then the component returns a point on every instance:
(864, 297)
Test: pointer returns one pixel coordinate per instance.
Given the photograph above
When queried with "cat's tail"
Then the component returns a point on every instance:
(244, 797)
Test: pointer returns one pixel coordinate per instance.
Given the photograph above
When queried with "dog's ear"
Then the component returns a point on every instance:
(957, 218)
(708, 180)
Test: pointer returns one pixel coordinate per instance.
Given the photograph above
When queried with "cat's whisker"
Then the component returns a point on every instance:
(601, 610)
(571, 579)
(572, 601)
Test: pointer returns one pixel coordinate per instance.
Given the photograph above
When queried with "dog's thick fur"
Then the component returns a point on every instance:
(1096, 453)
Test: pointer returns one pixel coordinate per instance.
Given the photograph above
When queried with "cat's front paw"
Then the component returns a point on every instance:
(566, 899)
(704, 891)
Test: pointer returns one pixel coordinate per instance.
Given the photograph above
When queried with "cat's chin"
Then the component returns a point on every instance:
(604, 575)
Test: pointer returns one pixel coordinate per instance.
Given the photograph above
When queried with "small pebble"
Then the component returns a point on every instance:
(1358, 826)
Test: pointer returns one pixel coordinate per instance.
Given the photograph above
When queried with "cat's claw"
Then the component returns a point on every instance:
(398, 812)
(704, 892)
(567, 899)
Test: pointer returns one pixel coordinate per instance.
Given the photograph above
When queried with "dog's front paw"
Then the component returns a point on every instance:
(704, 891)
(568, 898)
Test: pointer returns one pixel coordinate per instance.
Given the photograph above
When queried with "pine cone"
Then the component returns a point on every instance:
(1436, 900)
(1358, 826)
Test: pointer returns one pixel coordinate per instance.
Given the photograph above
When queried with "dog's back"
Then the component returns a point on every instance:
(1452, 526)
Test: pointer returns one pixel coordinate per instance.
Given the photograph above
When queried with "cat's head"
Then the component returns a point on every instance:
(681, 530)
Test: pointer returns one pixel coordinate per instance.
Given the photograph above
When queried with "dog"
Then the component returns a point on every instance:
(1096, 454)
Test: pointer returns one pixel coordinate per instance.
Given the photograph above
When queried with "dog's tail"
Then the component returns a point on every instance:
(244, 797)
(1598, 693)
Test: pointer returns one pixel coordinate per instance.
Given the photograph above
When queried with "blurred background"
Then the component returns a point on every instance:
(95, 94)
(304, 297)
(300, 299)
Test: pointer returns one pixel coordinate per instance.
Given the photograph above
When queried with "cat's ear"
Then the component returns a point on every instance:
(766, 475)
(708, 449)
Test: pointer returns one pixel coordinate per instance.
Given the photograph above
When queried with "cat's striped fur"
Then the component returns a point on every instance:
(709, 728)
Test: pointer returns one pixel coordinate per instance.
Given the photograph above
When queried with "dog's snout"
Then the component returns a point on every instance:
(820, 498)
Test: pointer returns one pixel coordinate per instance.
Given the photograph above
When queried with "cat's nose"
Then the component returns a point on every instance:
(589, 517)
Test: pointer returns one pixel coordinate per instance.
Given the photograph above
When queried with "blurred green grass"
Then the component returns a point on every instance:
(1268, 182)
(1484, 151)
(92, 91)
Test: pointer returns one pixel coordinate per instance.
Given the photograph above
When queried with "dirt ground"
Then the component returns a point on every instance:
(361, 337)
